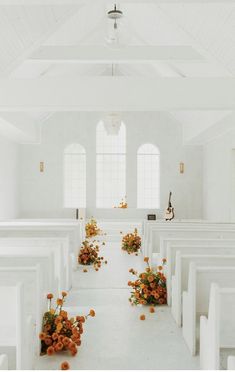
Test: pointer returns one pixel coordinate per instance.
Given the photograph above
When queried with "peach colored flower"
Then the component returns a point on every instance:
(66, 341)
(64, 366)
(42, 336)
(48, 341)
(142, 317)
(50, 350)
(151, 278)
(92, 313)
(59, 301)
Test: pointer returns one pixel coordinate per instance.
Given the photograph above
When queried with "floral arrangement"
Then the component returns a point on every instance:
(131, 242)
(123, 204)
(89, 255)
(92, 228)
(59, 333)
(150, 286)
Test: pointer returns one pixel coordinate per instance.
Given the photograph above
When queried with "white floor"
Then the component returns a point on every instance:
(116, 338)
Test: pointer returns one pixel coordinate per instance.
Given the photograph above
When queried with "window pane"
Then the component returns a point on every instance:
(148, 168)
(110, 167)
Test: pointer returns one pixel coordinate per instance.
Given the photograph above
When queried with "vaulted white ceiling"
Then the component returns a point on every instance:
(208, 28)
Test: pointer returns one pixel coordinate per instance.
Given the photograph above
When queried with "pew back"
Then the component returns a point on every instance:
(218, 331)
(196, 299)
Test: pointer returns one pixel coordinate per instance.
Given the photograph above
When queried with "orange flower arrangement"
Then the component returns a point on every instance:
(89, 255)
(59, 333)
(131, 242)
(123, 204)
(150, 286)
(92, 228)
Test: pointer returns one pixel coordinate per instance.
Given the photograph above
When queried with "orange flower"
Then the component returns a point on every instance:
(58, 319)
(59, 327)
(66, 341)
(64, 314)
(151, 309)
(59, 346)
(72, 346)
(49, 296)
(160, 268)
(59, 301)
(151, 278)
(164, 260)
(54, 336)
(47, 327)
(50, 350)
(142, 317)
(64, 366)
(64, 294)
(146, 259)
(82, 319)
(92, 313)
(60, 338)
(42, 336)
(48, 341)
(73, 352)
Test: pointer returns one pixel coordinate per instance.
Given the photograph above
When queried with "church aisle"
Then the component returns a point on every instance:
(116, 338)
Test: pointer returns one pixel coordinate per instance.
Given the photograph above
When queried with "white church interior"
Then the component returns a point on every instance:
(117, 158)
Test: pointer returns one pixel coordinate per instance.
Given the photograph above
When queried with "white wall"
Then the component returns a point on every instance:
(41, 194)
(219, 178)
(9, 186)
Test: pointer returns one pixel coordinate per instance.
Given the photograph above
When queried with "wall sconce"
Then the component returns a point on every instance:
(41, 167)
(181, 168)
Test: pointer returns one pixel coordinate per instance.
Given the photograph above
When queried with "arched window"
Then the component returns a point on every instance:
(148, 177)
(75, 176)
(110, 166)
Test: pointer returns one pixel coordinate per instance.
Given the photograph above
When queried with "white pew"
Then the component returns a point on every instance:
(149, 225)
(185, 232)
(180, 279)
(35, 292)
(59, 246)
(196, 299)
(231, 363)
(219, 247)
(15, 326)
(17, 258)
(3, 362)
(218, 330)
(71, 228)
(194, 241)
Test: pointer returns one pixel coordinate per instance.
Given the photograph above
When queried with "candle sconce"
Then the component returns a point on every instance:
(181, 167)
(41, 166)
